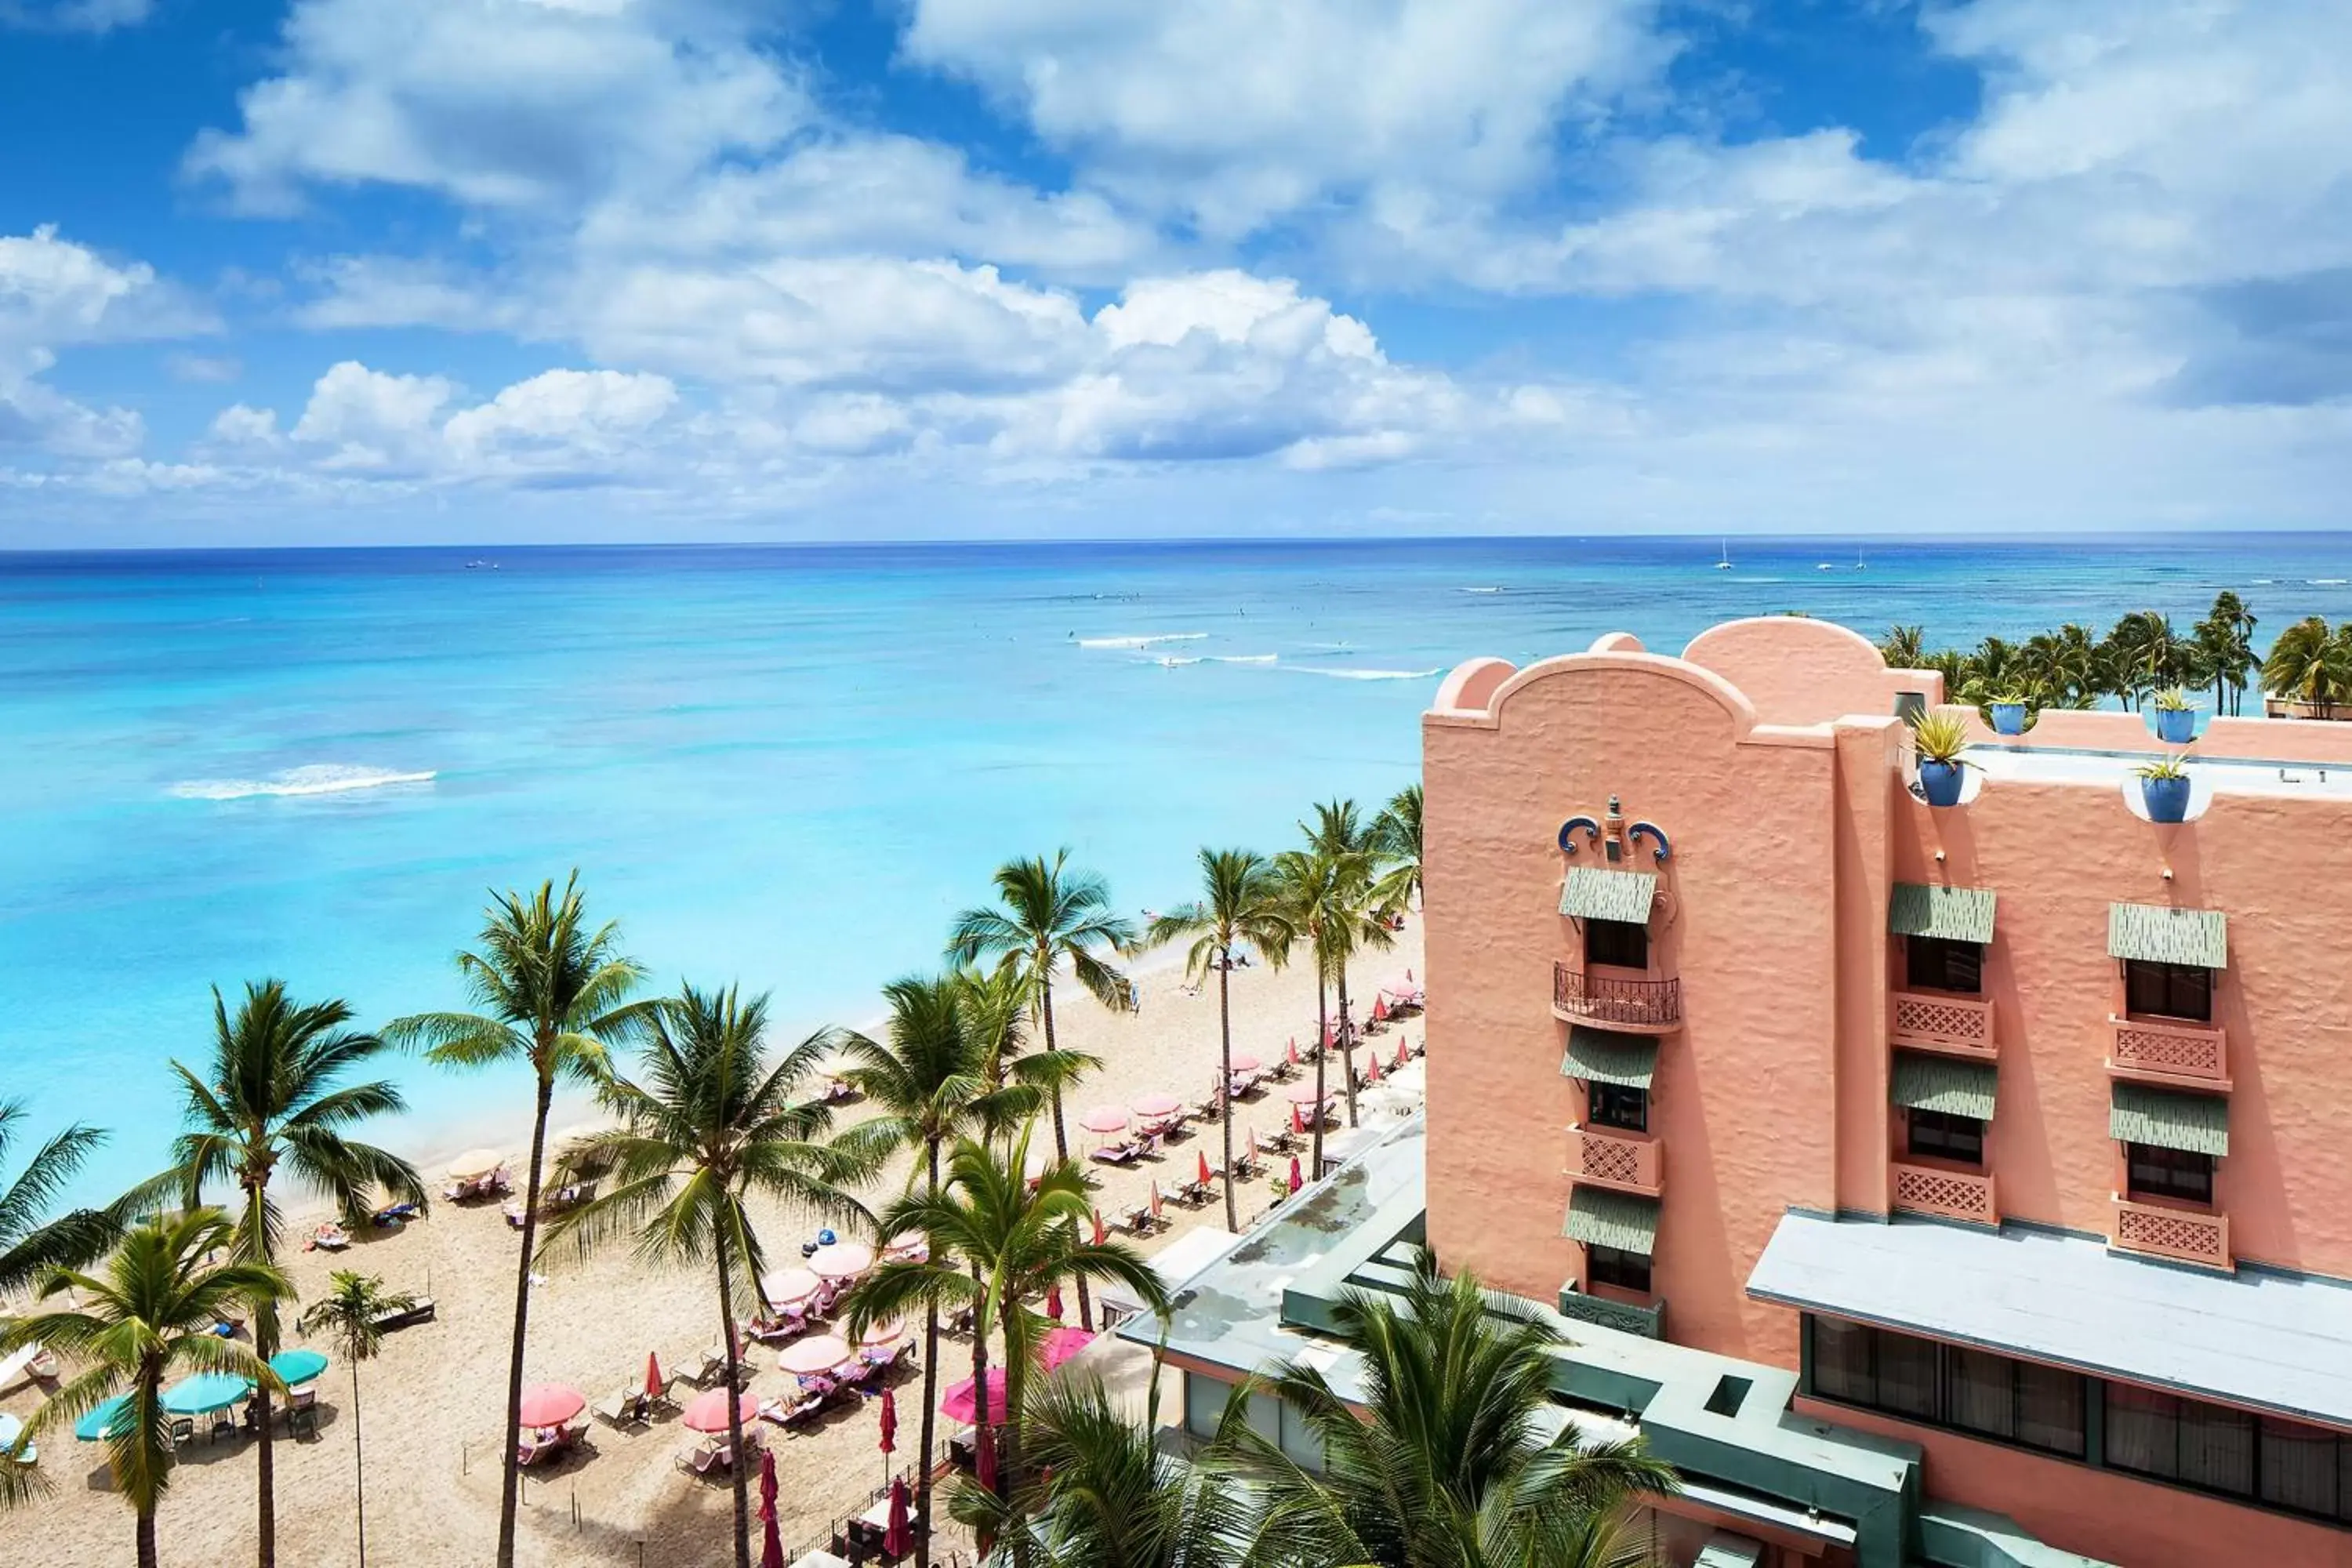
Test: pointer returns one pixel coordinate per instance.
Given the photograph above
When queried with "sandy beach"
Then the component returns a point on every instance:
(433, 1402)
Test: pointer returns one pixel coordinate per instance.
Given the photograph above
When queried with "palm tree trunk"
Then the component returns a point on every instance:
(1008, 1472)
(740, 1471)
(265, 1345)
(930, 1399)
(146, 1538)
(1322, 1056)
(1224, 1100)
(1349, 1077)
(512, 1460)
(979, 1378)
(1061, 1142)
(359, 1463)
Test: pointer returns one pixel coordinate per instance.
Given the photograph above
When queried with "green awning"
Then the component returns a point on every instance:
(2198, 1124)
(1604, 1056)
(1598, 1217)
(2155, 935)
(1592, 894)
(1960, 914)
(1922, 1081)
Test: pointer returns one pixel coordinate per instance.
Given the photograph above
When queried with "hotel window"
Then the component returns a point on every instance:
(1948, 1385)
(1620, 942)
(1942, 963)
(1620, 1106)
(2153, 1171)
(2169, 990)
(1941, 1135)
(1616, 1267)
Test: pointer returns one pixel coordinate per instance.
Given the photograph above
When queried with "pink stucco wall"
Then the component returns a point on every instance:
(1770, 756)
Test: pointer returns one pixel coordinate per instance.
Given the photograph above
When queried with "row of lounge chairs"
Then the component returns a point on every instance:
(543, 1445)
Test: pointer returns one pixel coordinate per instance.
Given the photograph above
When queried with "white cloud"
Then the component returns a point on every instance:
(368, 421)
(56, 294)
(1232, 113)
(562, 413)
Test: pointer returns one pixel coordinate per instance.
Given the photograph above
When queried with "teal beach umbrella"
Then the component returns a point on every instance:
(205, 1393)
(297, 1365)
(93, 1426)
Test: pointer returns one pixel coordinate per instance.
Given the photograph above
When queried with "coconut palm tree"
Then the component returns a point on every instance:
(31, 1241)
(273, 1101)
(1396, 846)
(2311, 664)
(1452, 1461)
(1314, 903)
(934, 1077)
(1359, 922)
(1048, 914)
(1241, 904)
(1107, 1494)
(348, 1315)
(554, 994)
(2225, 638)
(2149, 655)
(147, 1317)
(708, 1125)
(1903, 647)
(1023, 1241)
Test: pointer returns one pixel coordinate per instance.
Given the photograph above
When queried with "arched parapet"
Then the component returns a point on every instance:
(1797, 670)
(1616, 642)
(1470, 687)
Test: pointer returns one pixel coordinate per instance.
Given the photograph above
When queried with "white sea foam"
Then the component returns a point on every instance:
(1141, 642)
(319, 778)
(1243, 658)
(1481, 590)
(1364, 674)
(1170, 661)
(2327, 581)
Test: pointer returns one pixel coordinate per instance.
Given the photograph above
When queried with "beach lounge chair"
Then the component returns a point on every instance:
(302, 1408)
(1117, 1154)
(183, 1430)
(625, 1408)
(421, 1312)
(329, 1237)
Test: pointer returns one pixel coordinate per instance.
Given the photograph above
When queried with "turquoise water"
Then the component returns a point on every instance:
(786, 766)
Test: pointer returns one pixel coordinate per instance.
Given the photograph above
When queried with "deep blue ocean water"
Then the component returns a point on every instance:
(783, 766)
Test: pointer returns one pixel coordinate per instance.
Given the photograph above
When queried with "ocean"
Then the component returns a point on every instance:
(785, 766)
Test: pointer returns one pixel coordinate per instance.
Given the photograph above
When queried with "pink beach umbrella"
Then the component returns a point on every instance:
(768, 1485)
(790, 1286)
(707, 1412)
(1305, 1094)
(1246, 1064)
(1060, 1344)
(1204, 1177)
(1104, 1120)
(1298, 1123)
(1404, 1053)
(1102, 1232)
(656, 1383)
(1295, 1183)
(815, 1356)
(1294, 1050)
(1372, 1066)
(551, 1405)
(1154, 1106)
(841, 1260)
(1381, 1009)
(879, 1335)
(1156, 1201)
(897, 1540)
(958, 1404)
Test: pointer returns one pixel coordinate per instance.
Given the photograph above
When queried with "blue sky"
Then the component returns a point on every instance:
(360, 270)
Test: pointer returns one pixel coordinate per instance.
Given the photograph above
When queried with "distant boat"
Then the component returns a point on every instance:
(1823, 567)
(1857, 558)
(1724, 564)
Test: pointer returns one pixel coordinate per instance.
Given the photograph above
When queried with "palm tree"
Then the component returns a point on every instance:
(1451, 1462)
(2226, 639)
(348, 1315)
(1108, 1495)
(1903, 647)
(1359, 923)
(1018, 1242)
(2311, 664)
(1396, 844)
(273, 1098)
(711, 1125)
(2150, 656)
(148, 1316)
(1240, 904)
(1312, 903)
(935, 1080)
(554, 994)
(31, 1243)
(1050, 913)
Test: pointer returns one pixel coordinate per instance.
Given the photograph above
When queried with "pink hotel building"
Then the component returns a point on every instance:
(2018, 1129)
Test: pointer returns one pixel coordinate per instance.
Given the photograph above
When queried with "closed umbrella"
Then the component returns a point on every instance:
(768, 1484)
(1298, 1123)
(550, 1404)
(897, 1540)
(958, 1404)
(1104, 1119)
(205, 1393)
(984, 1460)
(475, 1163)
(1380, 1009)
(889, 1422)
(1295, 1183)
(817, 1355)
(657, 1385)
(1294, 1050)
(707, 1412)
(772, 1546)
(114, 1412)
(297, 1365)
(841, 1260)
(1102, 1233)
(1204, 1168)
(1054, 1299)
(1372, 1066)
(1404, 1052)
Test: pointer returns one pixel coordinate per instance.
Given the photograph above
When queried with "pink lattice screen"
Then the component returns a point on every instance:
(2185, 1233)
(1943, 1022)
(1617, 1160)
(2175, 1051)
(1954, 1195)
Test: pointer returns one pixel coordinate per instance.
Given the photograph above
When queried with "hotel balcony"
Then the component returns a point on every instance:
(2180, 1234)
(1607, 1157)
(1944, 1022)
(2187, 1056)
(1638, 1005)
(1949, 1192)
(1646, 1318)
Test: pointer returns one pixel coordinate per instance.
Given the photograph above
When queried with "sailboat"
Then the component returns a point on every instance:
(1724, 564)
(1857, 558)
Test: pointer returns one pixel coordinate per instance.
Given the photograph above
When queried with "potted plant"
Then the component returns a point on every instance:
(2007, 711)
(1941, 739)
(2163, 785)
(2176, 720)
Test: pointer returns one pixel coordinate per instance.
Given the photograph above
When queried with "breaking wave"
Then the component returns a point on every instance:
(319, 778)
(1365, 674)
(1141, 642)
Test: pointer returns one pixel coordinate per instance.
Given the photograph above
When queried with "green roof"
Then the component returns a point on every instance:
(1598, 1217)
(2159, 935)
(1962, 914)
(1604, 1056)
(1725, 1549)
(1924, 1082)
(2198, 1123)
(1594, 894)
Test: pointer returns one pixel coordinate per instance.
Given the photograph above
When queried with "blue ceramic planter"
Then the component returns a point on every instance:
(2176, 726)
(1941, 783)
(2167, 799)
(2009, 718)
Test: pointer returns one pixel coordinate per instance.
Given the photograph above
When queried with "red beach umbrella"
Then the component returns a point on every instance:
(1054, 1299)
(1102, 1233)
(656, 1383)
(984, 1460)
(1294, 1050)
(1204, 1168)
(1404, 1053)
(899, 1539)
(1372, 1067)
(1380, 1009)
(889, 1422)
(768, 1485)
(1298, 1123)
(551, 1405)
(1295, 1183)
(771, 1546)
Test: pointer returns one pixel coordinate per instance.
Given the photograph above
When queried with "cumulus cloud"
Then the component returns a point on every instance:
(55, 293)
